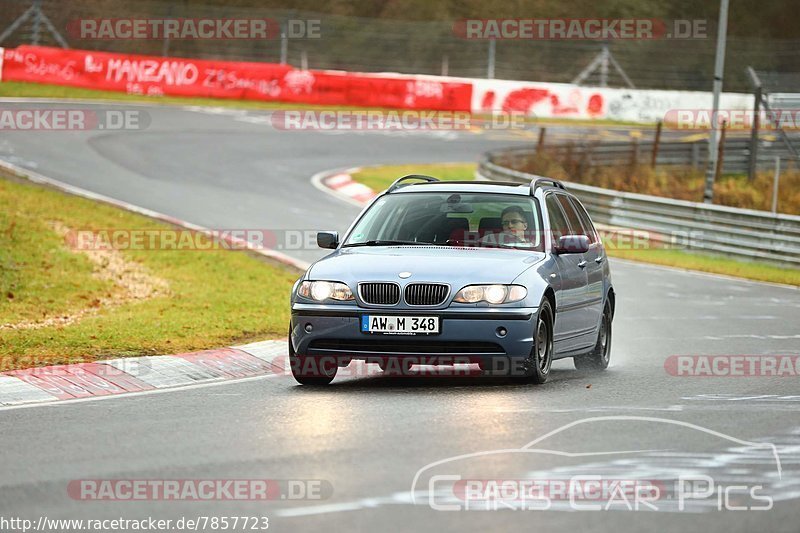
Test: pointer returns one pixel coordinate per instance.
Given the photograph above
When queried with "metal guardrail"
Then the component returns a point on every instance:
(744, 233)
(736, 159)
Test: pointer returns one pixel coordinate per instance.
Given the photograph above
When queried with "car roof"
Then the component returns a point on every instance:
(495, 187)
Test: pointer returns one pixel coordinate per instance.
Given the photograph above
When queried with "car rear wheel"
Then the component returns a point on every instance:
(600, 356)
(311, 371)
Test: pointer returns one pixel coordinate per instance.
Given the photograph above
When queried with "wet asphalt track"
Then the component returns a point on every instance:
(369, 436)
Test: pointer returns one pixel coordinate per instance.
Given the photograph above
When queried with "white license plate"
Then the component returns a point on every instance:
(400, 325)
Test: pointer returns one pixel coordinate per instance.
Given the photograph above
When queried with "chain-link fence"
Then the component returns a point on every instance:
(375, 45)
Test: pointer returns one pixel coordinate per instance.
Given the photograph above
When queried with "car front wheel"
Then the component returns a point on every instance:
(536, 367)
(311, 371)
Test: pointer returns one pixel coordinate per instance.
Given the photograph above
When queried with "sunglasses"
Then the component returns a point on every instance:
(513, 221)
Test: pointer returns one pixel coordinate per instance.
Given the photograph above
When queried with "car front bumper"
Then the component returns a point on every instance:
(466, 334)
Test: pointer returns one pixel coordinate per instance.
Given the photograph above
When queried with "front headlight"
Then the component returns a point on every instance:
(494, 294)
(324, 290)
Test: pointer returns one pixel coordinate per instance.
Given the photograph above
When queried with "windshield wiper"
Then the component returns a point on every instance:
(384, 243)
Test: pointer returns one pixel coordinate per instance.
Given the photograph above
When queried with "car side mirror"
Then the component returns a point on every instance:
(572, 244)
(327, 239)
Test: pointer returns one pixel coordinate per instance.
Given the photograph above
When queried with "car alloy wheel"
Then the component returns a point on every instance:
(536, 367)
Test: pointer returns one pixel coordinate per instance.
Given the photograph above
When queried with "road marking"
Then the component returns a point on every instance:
(748, 398)
(35, 177)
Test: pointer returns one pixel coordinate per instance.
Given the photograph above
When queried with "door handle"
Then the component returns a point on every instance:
(582, 264)
(599, 260)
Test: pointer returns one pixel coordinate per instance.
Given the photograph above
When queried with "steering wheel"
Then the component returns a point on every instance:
(509, 238)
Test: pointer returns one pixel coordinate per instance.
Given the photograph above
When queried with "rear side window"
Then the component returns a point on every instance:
(585, 220)
(558, 224)
(572, 216)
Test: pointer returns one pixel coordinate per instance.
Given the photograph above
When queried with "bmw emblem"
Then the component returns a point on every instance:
(404, 275)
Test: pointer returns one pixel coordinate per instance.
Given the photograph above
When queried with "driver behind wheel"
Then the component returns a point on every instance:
(515, 226)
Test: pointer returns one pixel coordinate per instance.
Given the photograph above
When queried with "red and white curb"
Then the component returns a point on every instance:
(343, 184)
(140, 374)
(340, 183)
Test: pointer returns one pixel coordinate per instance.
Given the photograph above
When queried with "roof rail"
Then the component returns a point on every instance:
(539, 181)
(399, 181)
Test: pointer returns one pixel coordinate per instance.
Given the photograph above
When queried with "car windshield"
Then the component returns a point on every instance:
(453, 219)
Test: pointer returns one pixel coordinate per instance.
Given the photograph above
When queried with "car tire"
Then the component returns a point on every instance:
(600, 355)
(311, 371)
(536, 367)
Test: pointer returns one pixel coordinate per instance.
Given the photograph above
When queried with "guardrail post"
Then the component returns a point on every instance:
(751, 174)
(491, 59)
(586, 153)
(721, 151)
(568, 163)
(590, 153)
(540, 143)
(695, 154)
(656, 143)
(37, 23)
(284, 43)
(634, 155)
(775, 184)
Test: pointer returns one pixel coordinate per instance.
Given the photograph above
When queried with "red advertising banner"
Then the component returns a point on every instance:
(149, 75)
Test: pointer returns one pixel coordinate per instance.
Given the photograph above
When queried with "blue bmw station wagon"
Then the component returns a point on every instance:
(504, 275)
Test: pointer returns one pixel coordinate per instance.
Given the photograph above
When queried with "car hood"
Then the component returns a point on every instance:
(426, 263)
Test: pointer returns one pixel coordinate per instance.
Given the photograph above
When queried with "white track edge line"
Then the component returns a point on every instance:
(36, 177)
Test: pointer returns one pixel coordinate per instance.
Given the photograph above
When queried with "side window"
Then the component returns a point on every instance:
(585, 220)
(558, 224)
(572, 216)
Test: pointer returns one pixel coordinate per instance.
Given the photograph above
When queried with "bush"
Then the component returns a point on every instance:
(682, 183)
